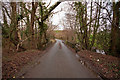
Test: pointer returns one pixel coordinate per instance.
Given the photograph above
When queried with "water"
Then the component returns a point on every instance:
(100, 51)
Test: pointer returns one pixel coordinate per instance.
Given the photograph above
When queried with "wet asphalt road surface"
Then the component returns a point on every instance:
(59, 62)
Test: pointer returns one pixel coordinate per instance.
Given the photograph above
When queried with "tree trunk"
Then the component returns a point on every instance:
(34, 6)
(115, 30)
(86, 29)
(96, 26)
(14, 25)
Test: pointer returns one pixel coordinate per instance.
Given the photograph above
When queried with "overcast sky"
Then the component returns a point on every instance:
(58, 17)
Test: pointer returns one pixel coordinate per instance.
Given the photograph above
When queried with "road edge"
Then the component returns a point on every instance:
(86, 64)
(34, 63)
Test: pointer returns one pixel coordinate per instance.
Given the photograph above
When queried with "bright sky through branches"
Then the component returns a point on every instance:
(57, 17)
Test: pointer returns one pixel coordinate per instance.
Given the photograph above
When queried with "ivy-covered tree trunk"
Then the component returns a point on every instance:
(86, 29)
(34, 7)
(14, 25)
(115, 30)
(96, 25)
(90, 24)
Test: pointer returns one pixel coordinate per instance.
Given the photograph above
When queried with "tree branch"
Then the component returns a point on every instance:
(49, 4)
(6, 11)
(50, 10)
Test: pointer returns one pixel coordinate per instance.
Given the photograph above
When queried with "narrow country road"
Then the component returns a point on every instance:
(59, 63)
